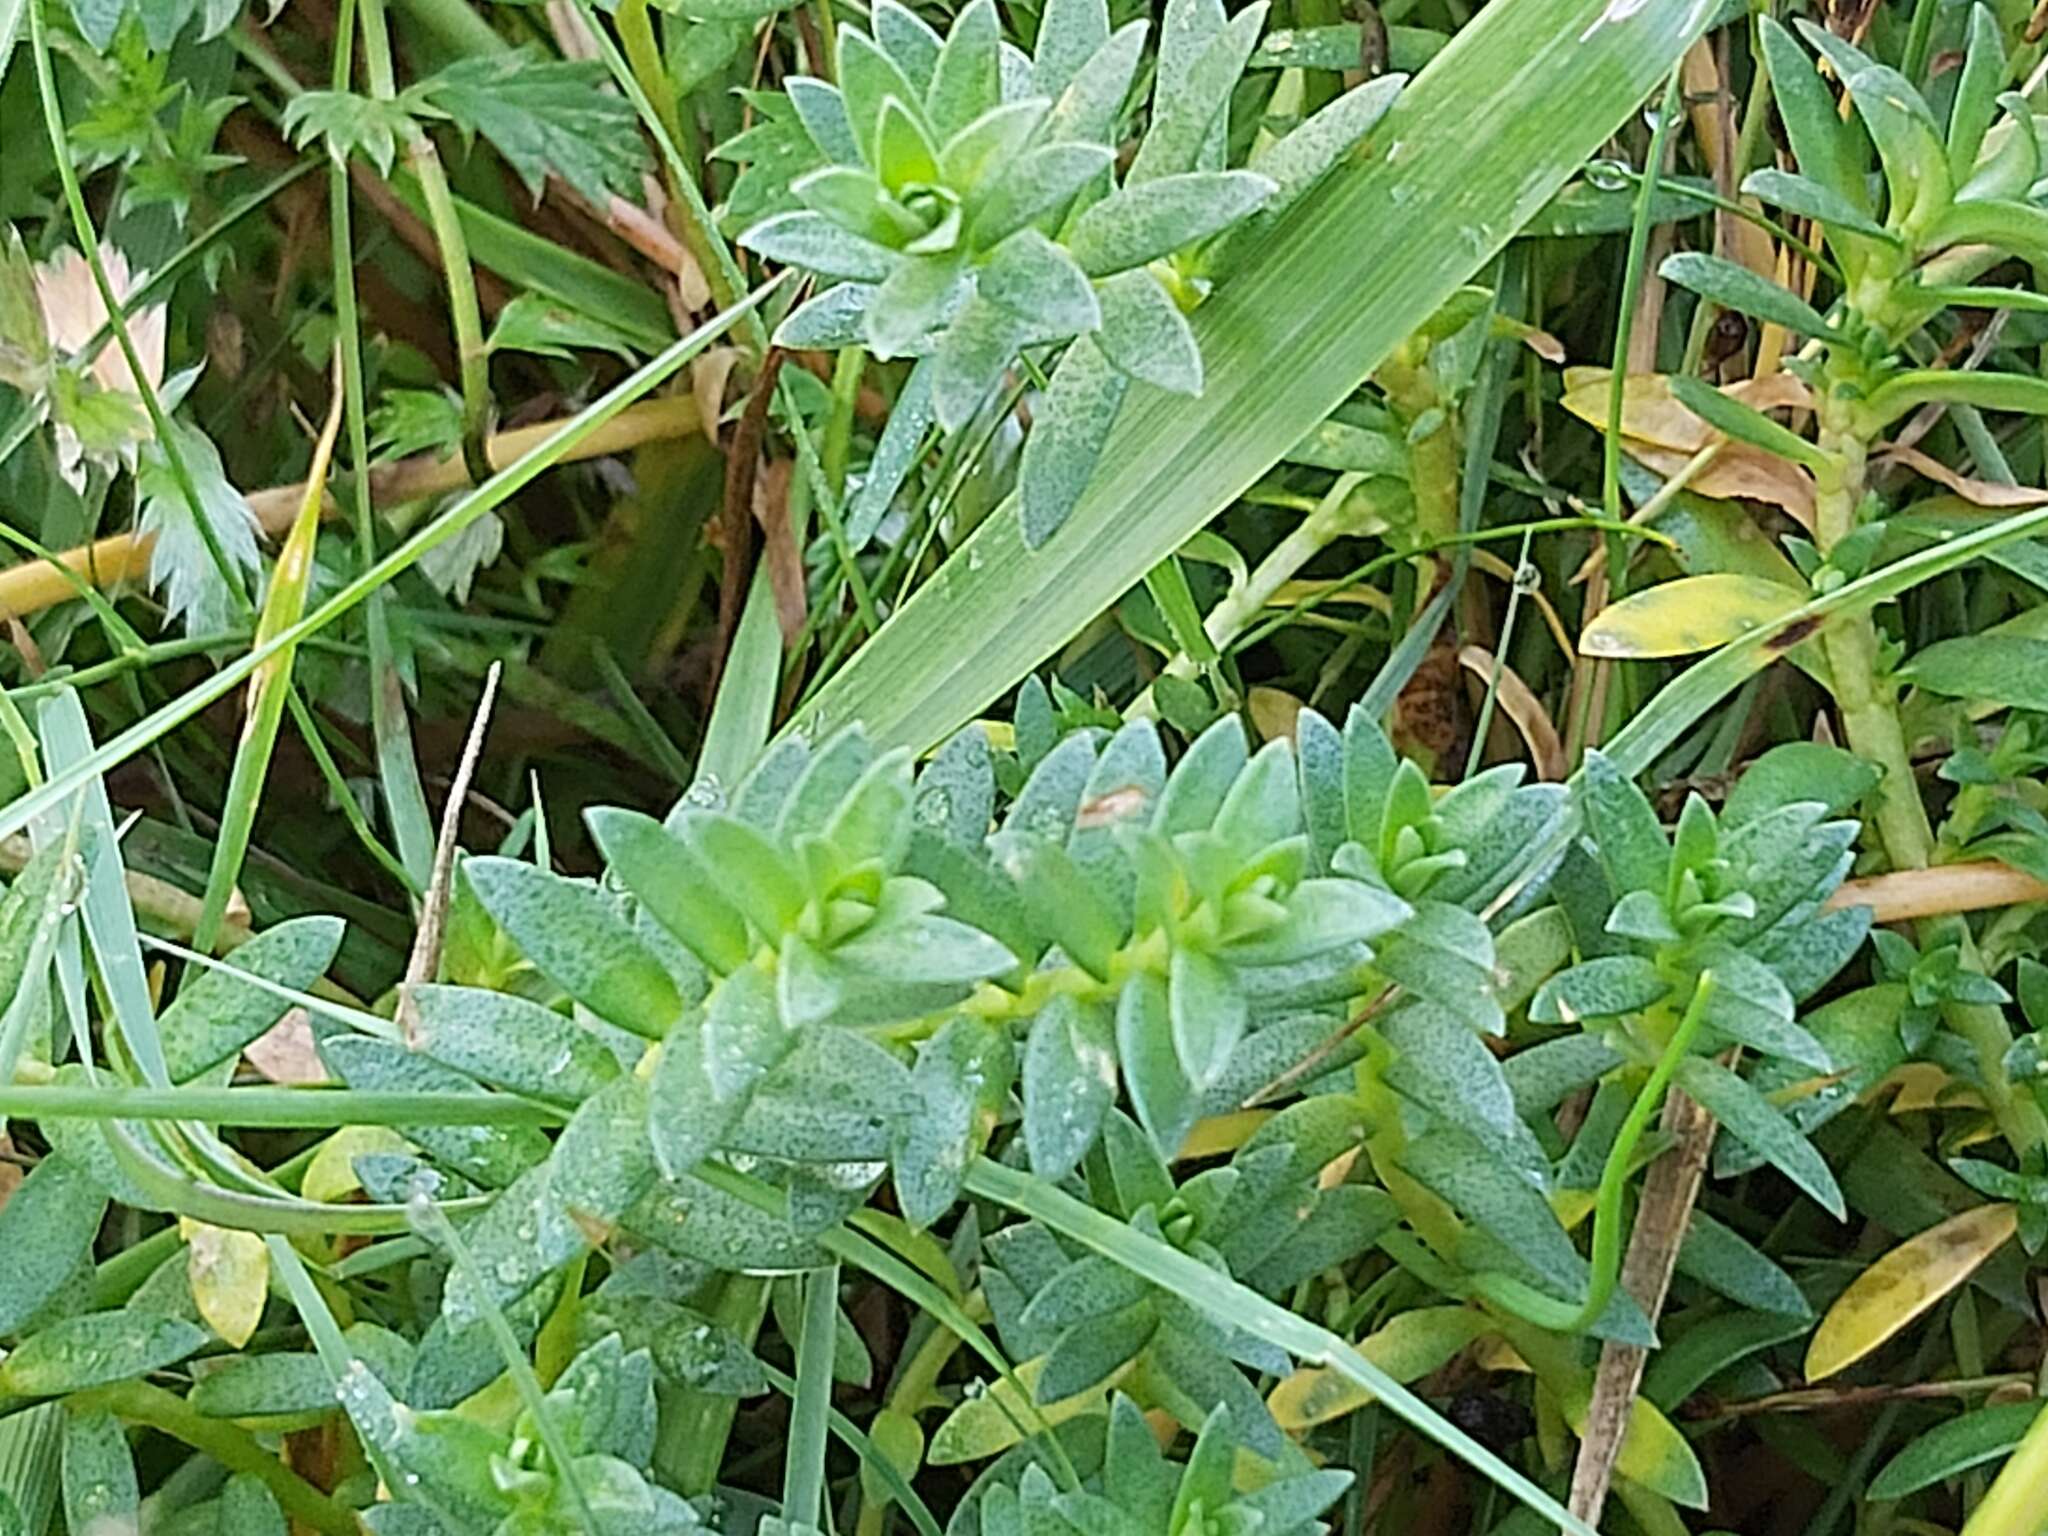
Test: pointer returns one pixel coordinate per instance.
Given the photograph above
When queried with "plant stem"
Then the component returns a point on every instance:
(1870, 720)
(296, 1108)
(698, 230)
(1348, 508)
(464, 312)
(1561, 1317)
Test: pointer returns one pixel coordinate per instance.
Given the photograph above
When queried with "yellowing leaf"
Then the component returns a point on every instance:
(1652, 415)
(1693, 613)
(1905, 1282)
(992, 1421)
(898, 1439)
(1924, 1086)
(1215, 1135)
(1497, 1354)
(1661, 434)
(1409, 1346)
(331, 1176)
(229, 1273)
(1273, 711)
(1653, 1452)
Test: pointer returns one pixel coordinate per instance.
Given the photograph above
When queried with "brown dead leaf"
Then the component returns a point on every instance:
(785, 559)
(1430, 722)
(1738, 470)
(285, 1053)
(11, 1173)
(1983, 493)
(1519, 704)
(708, 372)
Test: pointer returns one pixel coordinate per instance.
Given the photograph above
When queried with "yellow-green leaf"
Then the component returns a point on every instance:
(331, 1176)
(1693, 613)
(898, 1439)
(1905, 1282)
(1653, 1452)
(1406, 1348)
(991, 1421)
(230, 1277)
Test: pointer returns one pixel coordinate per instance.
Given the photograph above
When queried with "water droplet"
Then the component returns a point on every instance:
(1608, 175)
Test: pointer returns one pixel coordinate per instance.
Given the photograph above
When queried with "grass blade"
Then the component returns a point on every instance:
(1294, 331)
(283, 605)
(17, 813)
(1222, 1298)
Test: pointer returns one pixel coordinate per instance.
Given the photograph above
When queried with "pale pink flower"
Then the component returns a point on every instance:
(73, 314)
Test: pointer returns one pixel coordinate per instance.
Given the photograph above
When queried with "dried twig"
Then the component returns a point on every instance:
(425, 960)
(736, 519)
(1669, 1190)
(1943, 889)
(35, 585)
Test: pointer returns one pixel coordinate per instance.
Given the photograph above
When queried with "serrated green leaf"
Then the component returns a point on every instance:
(545, 116)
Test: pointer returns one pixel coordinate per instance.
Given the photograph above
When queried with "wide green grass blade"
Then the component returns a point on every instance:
(29, 1456)
(1474, 147)
(745, 706)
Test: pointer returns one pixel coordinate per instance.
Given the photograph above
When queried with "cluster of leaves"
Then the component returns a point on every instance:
(545, 116)
(1140, 1071)
(1907, 245)
(477, 1481)
(971, 199)
(838, 969)
(1121, 924)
